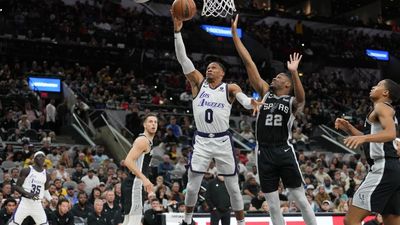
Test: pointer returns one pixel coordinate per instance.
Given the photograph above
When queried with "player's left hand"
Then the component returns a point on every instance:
(256, 106)
(293, 64)
(354, 142)
(234, 23)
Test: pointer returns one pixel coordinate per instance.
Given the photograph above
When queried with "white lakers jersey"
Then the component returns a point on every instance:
(35, 182)
(212, 109)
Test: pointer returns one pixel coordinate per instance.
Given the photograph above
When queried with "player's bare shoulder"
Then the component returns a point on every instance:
(380, 109)
(142, 144)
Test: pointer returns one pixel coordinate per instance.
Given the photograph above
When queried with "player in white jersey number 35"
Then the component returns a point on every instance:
(32, 183)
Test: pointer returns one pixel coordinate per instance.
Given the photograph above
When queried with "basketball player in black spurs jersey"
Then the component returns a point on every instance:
(380, 190)
(276, 158)
(137, 161)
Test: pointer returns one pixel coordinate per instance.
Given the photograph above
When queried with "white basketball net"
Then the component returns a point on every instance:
(218, 8)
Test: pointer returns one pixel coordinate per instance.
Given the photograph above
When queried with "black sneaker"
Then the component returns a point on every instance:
(184, 223)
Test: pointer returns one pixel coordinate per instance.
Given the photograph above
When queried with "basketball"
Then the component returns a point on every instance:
(184, 9)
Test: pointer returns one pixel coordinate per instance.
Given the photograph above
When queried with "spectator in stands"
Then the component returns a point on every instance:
(328, 185)
(78, 173)
(320, 175)
(24, 124)
(8, 122)
(326, 206)
(153, 216)
(60, 191)
(251, 187)
(95, 194)
(81, 186)
(314, 205)
(62, 216)
(97, 217)
(72, 195)
(48, 138)
(257, 201)
(65, 159)
(15, 136)
(6, 189)
(321, 196)
(81, 159)
(7, 210)
(147, 202)
(53, 202)
(170, 139)
(99, 157)
(61, 173)
(217, 198)
(176, 129)
(163, 195)
(40, 124)
(82, 208)
(91, 181)
(81, 109)
(51, 114)
(54, 156)
(176, 194)
(14, 176)
(62, 113)
(109, 207)
(165, 168)
(247, 133)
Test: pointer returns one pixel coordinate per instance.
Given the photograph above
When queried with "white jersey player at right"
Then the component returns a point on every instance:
(32, 184)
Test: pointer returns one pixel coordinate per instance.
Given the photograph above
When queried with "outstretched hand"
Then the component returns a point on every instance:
(293, 64)
(234, 23)
(178, 24)
(354, 142)
(256, 106)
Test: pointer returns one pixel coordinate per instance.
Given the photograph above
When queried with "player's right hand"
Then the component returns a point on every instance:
(342, 124)
(33, 196)
(177, 23)
(148, 186)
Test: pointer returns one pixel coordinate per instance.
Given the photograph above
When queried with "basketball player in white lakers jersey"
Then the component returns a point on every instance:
(32, 183)
(380, 190)
(137, 161)
(212, 102)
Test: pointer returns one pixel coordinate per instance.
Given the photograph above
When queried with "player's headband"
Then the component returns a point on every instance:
(39, 153)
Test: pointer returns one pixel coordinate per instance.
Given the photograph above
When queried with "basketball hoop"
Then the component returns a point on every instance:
(218, 8)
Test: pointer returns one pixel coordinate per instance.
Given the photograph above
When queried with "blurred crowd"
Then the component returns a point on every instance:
(107, 24)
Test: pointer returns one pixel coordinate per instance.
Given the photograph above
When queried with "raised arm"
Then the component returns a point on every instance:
(255, 79)
(139, 147)
(384, 115)
(194, 76)
(235, 92)
(300, 96)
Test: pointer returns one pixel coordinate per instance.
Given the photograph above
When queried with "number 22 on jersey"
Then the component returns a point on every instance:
(273, 120)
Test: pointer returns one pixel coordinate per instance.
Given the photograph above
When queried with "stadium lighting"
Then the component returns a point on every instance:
(220, 31)
(378, 54)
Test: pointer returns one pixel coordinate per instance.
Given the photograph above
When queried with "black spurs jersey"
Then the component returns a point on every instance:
(275, 119)
(143, 161)
(375, 150)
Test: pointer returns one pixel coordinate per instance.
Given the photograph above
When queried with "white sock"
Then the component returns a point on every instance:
(188, 218)
(241, 222)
